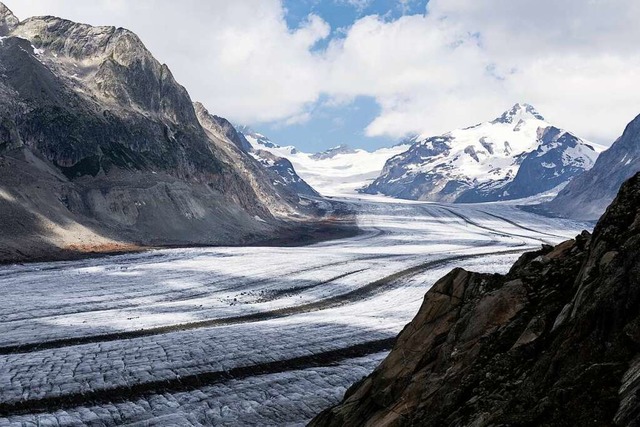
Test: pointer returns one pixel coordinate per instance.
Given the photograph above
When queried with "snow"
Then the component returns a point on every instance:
(343, 174)
(508, 142)
(486, 157)
(340, 175)
(580, 154)
(169, 315)
(37, 51)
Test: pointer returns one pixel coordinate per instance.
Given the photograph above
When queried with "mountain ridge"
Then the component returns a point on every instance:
(101, 149)
(587, 196)
(495, 160)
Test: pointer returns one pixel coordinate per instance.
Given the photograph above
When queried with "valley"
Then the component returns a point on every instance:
(162, 265)
(237, 335)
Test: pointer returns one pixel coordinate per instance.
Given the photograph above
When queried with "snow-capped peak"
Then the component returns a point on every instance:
(519, 112)
(517, 155)
(260, 142)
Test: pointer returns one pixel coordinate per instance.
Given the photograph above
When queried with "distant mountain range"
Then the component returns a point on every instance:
(338, 171)
(516, 155)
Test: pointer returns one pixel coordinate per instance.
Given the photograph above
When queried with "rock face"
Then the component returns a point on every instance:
(514, 156)
(554, 342)
(100, 147)
(587, 196)
(8, 20)
(268, 172)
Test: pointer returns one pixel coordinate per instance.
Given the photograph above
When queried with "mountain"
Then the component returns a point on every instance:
(101, 149)
(517, 155)
(277, 171)
(339, 171)
(587, 196)
(554, 342)
(261, 142)
(333, 152)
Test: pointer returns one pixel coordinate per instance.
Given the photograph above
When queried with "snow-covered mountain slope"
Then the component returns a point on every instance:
(517, 155)
(339, 171)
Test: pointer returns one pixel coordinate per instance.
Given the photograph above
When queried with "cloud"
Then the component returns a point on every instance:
(462, 62)
(359, 5)
(426, 76)
(465, 61)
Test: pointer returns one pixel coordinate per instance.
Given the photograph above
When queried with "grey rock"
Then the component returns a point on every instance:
(101, 149)
(332, 152)
(8, 20)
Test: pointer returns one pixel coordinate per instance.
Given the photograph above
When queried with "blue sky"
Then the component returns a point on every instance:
(329, 125)
(341, 14)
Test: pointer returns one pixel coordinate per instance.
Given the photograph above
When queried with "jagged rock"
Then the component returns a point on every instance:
(221, 126)
(550, 343)
(8, 20)
(332, 152)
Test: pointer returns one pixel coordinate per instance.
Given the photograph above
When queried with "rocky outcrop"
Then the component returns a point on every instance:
(8, 20)
(554, 342)
(589, 194)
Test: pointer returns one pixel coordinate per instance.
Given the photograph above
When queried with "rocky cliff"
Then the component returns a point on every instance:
(554, 342)
(101, 149)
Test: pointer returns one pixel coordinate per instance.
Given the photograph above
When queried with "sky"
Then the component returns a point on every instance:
(318, 73)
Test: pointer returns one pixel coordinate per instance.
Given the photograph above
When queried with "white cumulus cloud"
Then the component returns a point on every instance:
(461, 62)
